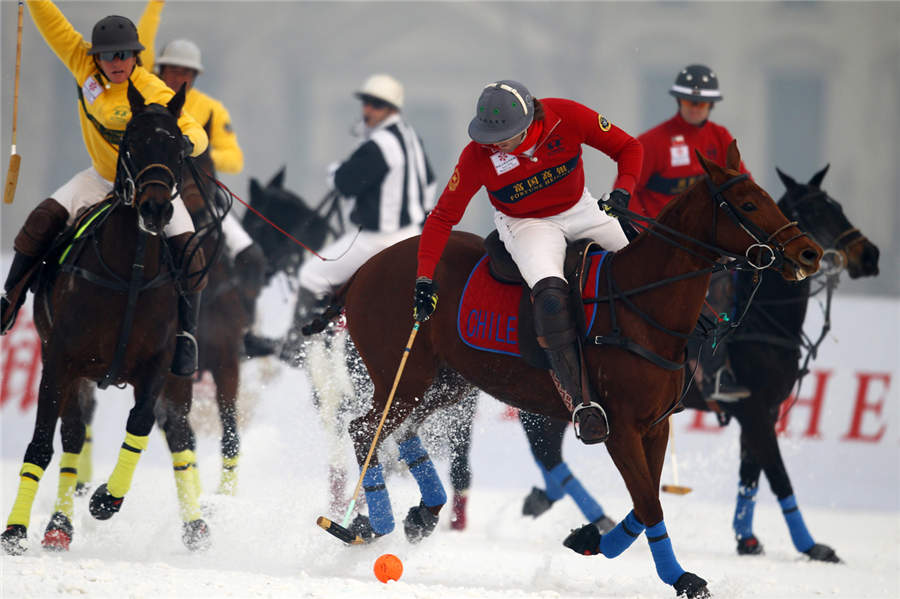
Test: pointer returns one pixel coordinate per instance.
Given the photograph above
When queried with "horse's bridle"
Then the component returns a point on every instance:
(841, 244)
(762, 240)
(130, 186)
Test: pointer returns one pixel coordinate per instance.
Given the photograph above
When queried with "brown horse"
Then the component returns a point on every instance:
(108, 315)
(725, 214)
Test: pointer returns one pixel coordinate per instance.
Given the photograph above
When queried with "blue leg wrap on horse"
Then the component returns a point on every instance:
(667, 567)
(803, 541)
(422, 469)
(622, 536)
(571, 485)
(743, 511)
(380, 514)
(551, 488)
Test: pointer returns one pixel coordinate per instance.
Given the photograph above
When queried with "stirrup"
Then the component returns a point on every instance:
(176, 358)
(727, 388)
(591, 419)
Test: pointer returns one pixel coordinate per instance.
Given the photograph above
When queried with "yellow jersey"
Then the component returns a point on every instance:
(99, 100)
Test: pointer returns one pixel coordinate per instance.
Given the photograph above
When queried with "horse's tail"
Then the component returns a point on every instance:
(334, 309)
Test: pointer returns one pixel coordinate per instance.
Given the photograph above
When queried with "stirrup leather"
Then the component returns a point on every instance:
(592, 418)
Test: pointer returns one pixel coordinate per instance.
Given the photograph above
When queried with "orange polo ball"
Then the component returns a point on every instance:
(388, 567)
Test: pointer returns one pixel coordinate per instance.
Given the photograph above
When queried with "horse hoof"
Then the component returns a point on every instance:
(458, 518)
(13, 539)
(419, 523)
(749, 546)
(82, 489)
(536, 503)
(195, 535)
(103, 505)
(362, 527)
(604, 524)
(822, 553)
(691, 586)
(58, 534)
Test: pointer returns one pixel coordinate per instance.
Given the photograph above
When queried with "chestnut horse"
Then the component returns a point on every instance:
(109, 315)
(770, 340)
(725, 214)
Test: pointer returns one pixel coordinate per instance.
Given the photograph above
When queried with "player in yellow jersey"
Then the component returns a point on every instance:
(102, 70)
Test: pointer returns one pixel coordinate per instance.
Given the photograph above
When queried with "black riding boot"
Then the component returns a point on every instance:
(10, 306)
(185, 361)
(35, 237)
(557, 335)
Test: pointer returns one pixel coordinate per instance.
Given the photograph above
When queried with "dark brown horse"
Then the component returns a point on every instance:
(770, 340)
(225, 314)
(723, 214)
(109, 315)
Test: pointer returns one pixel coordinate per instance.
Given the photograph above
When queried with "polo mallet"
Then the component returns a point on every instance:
(675, 488)
(12, 175)
(340, 530)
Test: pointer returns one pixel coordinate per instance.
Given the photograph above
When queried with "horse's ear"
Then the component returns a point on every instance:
(177, 102)
(788, 181)
(733, 157)
(256, 190)
(708, 165)
(816, 180)
(135, 99)
(278, 179)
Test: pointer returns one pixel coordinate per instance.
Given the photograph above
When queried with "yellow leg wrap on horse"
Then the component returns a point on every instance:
(228, 483)
(86, 463)
(185, 483)
(29, 478)
(120, 479)
(68, 476)
(195, 471)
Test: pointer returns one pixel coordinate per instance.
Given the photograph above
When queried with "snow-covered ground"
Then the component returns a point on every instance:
(266, 542)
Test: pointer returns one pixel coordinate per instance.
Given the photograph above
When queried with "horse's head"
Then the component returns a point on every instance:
(287, 210)
(151, 155)
(747, 221)
(822, 217)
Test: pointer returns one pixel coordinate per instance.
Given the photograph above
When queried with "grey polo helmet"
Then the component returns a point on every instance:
(696, 82)
(114, 33)
(504, 109)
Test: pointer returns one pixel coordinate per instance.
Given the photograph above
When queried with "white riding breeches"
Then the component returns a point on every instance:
(236, 238)
(87, 188)
(538, 245)
(321, 277)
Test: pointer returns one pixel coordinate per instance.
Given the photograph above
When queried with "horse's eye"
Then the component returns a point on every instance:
(748, 206)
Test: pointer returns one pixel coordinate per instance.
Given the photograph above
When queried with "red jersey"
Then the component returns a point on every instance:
(670, 164)
(548, 182)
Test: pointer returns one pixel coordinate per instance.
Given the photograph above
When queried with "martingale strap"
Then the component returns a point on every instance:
(113, 136)
(616, 338)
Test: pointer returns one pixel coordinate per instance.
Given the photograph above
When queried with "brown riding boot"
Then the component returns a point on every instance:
(556, 334)
(185, 361)
(41, 227)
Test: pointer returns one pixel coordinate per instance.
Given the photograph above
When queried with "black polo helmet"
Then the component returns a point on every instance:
(114, 33)
(504, 109)
(698, 83)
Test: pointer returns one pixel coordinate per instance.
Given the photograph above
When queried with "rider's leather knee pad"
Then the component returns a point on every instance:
(41, 226)
(552, 317)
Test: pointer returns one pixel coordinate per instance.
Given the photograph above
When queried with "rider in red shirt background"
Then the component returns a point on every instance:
(670, 167)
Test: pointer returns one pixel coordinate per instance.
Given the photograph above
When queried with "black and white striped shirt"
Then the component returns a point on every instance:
(390, 178)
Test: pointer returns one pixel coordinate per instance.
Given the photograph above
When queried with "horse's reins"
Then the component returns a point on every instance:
(761, 240)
